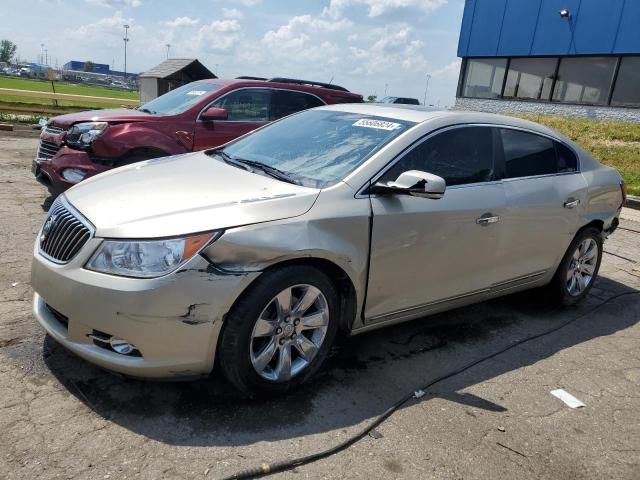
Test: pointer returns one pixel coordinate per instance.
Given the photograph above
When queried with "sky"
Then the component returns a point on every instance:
(371, 47)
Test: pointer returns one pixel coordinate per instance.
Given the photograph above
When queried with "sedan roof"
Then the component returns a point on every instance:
(421, 114)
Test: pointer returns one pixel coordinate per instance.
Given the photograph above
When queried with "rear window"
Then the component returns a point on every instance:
(527, 154)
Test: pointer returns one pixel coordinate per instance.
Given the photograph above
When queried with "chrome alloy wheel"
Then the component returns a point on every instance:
(582, 267)
(289, 332)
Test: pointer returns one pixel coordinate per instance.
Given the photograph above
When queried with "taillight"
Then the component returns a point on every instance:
(623, 189)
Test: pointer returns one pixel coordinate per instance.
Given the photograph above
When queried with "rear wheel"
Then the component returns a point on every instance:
(579, 268)
(279, 333)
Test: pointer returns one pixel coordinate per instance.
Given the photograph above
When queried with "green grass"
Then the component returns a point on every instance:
(62, 87)
(616, 144)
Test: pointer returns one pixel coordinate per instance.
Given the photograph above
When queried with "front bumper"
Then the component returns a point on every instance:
(174, 320)
(49, 172)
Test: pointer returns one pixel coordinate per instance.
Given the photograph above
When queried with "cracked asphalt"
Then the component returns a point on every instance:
(61, 417)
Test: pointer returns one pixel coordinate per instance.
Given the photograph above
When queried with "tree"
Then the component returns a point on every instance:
(7, 50)
(89, 66)
(372, 98)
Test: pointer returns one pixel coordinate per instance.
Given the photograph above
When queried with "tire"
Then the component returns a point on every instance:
(261, 327)
(139, 156)
(578, 265)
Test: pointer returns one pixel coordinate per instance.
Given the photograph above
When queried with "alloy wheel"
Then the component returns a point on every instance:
(289, 332)
(582, 267)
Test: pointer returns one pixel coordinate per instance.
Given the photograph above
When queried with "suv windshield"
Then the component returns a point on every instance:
(317, 148)
(178, 100)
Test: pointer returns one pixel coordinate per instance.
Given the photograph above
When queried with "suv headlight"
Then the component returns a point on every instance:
(82, 135)
(147, 258)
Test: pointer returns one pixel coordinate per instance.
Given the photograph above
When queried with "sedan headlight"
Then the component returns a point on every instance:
(82, 135)
(147, 258)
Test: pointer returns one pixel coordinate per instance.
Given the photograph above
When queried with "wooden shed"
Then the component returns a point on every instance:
(170, 74)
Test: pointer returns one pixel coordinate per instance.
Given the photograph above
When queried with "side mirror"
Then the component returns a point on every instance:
(414, 183)
(214, 113)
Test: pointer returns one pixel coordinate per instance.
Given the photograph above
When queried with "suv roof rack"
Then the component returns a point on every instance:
(248, 77)
(308, 82)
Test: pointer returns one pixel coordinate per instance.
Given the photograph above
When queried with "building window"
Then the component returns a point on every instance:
(627, 89)
(584, 80)
(530, 78)
(484, 77)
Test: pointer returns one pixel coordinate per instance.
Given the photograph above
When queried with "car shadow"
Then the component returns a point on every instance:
(364, 375)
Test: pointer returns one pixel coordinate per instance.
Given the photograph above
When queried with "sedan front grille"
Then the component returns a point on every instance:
(63, 234)
(47, 150)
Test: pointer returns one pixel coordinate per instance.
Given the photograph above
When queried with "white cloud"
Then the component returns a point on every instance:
(295, 35)
(182, 22)
(220, 36)
(450, 70)
(116, 3)
(108, 30)
(379, 7)
(246, 3)
(232, 13)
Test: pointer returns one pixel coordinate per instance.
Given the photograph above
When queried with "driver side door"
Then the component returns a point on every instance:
(247, 109)
(424, 252)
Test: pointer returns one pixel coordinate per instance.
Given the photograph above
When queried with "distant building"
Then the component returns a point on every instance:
(564, 57)
(103, 68)
(171, 74)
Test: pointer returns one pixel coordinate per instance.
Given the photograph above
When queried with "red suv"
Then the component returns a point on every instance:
(199, 115)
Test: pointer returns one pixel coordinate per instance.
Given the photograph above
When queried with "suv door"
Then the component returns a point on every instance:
(425, 252)
(247, 109)
(545, 194)
(286, 102)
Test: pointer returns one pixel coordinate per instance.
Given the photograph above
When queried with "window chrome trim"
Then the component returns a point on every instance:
(360, 191)
(271, 90)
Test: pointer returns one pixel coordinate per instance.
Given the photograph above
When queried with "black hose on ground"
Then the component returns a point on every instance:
(271, 468)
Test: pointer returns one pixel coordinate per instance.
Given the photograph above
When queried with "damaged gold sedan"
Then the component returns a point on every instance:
(252, 256)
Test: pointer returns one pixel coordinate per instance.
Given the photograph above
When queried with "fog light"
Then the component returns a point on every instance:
(121, 346)
(74, 175)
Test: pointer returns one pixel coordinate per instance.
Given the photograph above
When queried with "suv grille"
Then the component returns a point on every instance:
(47, 149)
(63, 235)
(53, 130)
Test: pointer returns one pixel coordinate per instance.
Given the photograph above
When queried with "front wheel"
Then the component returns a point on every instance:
(579, 268)
(280, 331)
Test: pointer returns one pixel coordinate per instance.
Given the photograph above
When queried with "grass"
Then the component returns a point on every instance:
(616, 144)
(62, 87)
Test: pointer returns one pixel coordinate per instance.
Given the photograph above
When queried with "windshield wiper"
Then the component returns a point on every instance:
(269, 170)
(146, 110)
(230, 160)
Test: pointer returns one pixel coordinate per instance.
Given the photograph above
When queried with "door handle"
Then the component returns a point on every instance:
(487, 220)
(571, 203)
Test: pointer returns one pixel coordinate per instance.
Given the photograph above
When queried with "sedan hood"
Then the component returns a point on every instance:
(113, 115)
(184, 194)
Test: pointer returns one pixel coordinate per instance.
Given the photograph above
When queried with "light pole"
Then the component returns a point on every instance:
(41, 53)
(126, 40)
(424, 101)
(46, 56)
(168, 45)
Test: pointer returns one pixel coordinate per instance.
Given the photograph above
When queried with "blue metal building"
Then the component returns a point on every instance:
(102, 68)
(551, 56)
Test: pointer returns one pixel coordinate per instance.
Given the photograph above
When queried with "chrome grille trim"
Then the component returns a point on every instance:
(53, 130)
(63, 233)
(47, 150)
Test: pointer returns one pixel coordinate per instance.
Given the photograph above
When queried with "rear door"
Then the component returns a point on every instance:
(247, 109)
(545, 194)
(425, 251)
(286, 102)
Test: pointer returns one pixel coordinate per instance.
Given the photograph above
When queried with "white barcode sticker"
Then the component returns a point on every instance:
(197, 92)
(379, 124)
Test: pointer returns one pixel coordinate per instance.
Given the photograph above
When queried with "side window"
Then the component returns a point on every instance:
(286, 102)
(527, 154)
(247, 104)
(461, 155)
(567, 160)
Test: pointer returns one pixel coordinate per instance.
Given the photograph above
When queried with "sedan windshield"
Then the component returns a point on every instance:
(315, 148)
(178, 100)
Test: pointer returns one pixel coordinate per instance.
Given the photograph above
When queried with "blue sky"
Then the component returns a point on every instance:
(365, 45)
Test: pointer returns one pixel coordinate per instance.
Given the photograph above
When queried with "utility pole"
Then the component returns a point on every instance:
(41, 53)
(424, 102)
(168, 45)
(126, 40)
(386, 85)
(46, 56)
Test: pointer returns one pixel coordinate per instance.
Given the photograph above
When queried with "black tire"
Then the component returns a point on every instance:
(558, 288)
(139, 155)
(234, 348)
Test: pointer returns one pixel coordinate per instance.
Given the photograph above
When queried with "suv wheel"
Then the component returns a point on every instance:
(579, 268)
(279, 333)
